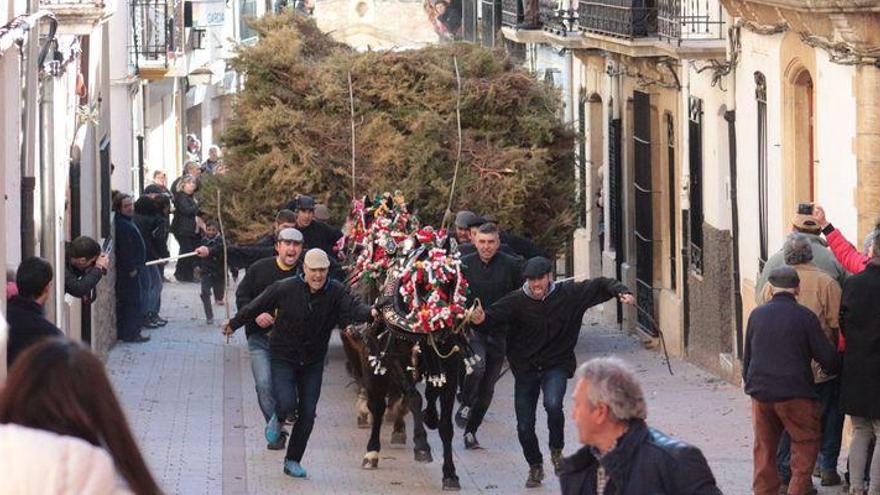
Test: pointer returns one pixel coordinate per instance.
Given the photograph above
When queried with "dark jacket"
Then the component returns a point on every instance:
(153, 226)
(186, 208)
(781, 338)
(213, 263)
(81, 283)
(522, 246)
(244, 255)
(491, 281)
(860, 324)
(27, 326)
(259, 276)
(320, 235)
(468, 248)
(131, 252)
(543, 334)
(644, 462)
(303, 321)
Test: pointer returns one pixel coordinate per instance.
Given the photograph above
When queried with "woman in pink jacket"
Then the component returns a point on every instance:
(851, 258)
(59, 386)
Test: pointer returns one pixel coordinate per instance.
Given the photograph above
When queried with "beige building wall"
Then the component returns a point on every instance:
(377, 25)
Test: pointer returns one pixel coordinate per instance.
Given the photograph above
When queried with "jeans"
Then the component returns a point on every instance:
(485, 374)
(261, 367)
(151, 283)
(527, 386)
(801, 418)
(832, 431)
(297, 388)
(864, 430)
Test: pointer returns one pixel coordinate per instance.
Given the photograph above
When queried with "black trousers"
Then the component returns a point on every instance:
(184, 269)
(217, 283)
(129, 306)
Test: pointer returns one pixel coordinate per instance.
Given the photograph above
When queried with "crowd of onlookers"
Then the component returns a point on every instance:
(812, 357)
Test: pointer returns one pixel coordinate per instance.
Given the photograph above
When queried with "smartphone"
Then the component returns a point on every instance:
(805, 209)
(108, 245)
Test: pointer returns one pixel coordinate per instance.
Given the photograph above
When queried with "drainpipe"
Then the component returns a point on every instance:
(730, 117)
(28, 132)
(685, 202)
(48, 236)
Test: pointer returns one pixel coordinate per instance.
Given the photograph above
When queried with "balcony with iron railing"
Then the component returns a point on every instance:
(79, 17)
(157, 36)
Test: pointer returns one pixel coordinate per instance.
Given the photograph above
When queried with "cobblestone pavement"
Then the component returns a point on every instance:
(190, 399)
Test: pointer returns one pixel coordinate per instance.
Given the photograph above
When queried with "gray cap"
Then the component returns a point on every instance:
(322, 213)
(305, 202)
(784, 277)
(464, 218)
(289, 234)
(537, 267)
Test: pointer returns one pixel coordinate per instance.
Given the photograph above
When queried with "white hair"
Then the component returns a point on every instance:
(613, 383)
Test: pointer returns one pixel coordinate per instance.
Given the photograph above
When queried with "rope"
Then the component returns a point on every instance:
(448, 215)
(226, 301)
(433, 345)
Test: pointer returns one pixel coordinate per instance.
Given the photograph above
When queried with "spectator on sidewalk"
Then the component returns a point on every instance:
(843, 250)
(621, 454)
(212, 163)
(260, 275)
(782, 338)
(86, 265)
(190, 169)
(60, 387)
(543, 322)
(823, 258)
(307, 309)
(819, 293)
(159, 184)
(24, 312)
(213, 273)
(193, 148)
(860, 378)
(131, 254)
(185, 227)
(151, 220)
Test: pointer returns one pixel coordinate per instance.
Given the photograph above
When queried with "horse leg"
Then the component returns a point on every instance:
(447, 404)
(363, 409)
(430, 413)
(376, 391)
(421, 448)
(398, 411)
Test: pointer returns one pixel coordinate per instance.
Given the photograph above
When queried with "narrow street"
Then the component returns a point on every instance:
(190, 399)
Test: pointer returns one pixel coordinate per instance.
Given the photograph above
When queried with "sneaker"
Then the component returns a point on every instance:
(280, 444)
(536, 476)
(148, 323)
(158, 320)
(462, 416)
(830, 478)
(471, 442)
(273, 429)
(293, 468)
(556, 460)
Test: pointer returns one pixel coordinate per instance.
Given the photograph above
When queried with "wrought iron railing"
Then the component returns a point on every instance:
(553, 18)
(696, 258)
(511, 12)
(618, 18)
(157, 31)
(690, 19)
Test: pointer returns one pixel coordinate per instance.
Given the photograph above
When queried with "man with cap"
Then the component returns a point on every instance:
(782, 338)
(491, 275)
(823, 258)
(543, 321)
(260, 275)
(244, 255)
(317, 234)
(306, 310)
(469, 247)
(322, 213)
(463, 220)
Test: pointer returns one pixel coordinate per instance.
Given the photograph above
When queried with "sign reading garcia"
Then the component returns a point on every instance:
(204, 13)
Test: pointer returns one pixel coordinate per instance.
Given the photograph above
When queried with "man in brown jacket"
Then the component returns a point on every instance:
(820, 294)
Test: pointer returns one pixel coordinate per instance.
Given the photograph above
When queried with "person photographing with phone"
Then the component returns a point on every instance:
(543, 321)
(804, 222)
(84, 268)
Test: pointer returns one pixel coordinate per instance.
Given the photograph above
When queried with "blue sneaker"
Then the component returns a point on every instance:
(293, 468)
(273, 429)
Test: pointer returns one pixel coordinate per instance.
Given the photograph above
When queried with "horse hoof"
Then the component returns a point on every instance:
(423, 456)
(451, 484)
(363, 421)
(398, 438)
(370, 461)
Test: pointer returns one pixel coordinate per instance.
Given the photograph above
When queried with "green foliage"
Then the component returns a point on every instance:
(291, 133)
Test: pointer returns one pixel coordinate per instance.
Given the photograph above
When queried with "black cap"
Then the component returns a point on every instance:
(784, 277)
(537, 267)
(476, 221)
(305, 203)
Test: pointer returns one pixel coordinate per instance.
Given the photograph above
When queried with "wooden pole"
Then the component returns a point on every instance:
(353, 152)
(226, 301)
(448, 215)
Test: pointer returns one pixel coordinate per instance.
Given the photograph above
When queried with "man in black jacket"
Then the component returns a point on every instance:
(782, 337)
(24, 312)
(307, 308)
(490, 275)
(543, 321)
(622, 455)
(259, 276)
(131, 254)
(86, 265)
(152, 222)
(244, 255)
(316, 234)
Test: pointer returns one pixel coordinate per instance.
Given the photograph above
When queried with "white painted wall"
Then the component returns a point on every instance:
(716, 166)
(10, 159)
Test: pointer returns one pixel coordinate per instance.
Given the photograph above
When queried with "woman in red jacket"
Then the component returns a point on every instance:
(851, 258)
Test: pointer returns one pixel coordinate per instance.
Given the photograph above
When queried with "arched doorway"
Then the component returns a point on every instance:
(803, 146)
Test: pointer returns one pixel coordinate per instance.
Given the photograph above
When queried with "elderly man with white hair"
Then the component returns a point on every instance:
(622, 455)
